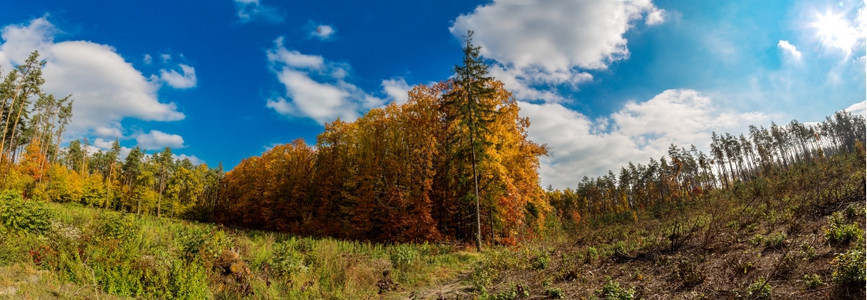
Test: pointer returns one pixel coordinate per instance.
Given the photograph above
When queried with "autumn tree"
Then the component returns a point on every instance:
(390, 176)
(184, 188)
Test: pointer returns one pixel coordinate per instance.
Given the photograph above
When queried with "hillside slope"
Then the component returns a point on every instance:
(795, 235)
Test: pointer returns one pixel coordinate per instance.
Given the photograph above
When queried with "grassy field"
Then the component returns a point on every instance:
(84, 252)
(795, 235)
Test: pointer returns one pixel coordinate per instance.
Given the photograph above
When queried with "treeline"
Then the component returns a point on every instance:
(686, 174)
(399, 173)
(30, 116)
(32, 161)
(453, 163)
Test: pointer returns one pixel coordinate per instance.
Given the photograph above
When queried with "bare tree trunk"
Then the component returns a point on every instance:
(8, 118)
(476, 185)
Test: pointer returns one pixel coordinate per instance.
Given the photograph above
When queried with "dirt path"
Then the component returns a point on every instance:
(455, 288)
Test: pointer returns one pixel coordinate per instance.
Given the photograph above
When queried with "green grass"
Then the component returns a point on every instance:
(115, 254)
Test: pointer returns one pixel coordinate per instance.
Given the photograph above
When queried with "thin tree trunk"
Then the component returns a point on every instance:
(476, 184)
(12, 143)
(8, 118)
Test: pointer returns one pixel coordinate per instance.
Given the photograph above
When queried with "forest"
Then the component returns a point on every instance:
(399, 173)
(453, 164)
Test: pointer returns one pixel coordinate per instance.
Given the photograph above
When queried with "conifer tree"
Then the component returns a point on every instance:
(28, 81)
(474, 114)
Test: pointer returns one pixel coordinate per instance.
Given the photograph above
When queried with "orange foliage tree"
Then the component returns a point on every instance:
(395, 174)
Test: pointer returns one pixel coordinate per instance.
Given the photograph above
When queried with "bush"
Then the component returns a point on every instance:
(188, 281)
(812, 281)
(554, 293)
(482, 276)
(808, 251)
(591, 255)
(206, 244)
(759, 289)
(19, 215)
(849, 267)
(757, 240)
(286, 259)
(840, 233)
(776, 240)
(540, 260)
(613, 291)
(117, 226)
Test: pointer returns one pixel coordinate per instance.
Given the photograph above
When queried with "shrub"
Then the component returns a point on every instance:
(775, 240)
(188, 281)
(849, 267)
(117, 226)
(591, 255)
(119, 278)
(482, 276)
(853, 211)
(620, 248)
(757, 240)
(613, 291)
(206, 244)
(286, 259)
(840, 233)
(16, 214)
(808, 251)
(812, 281)
(555, 293)
(759, 289)
(540, 261)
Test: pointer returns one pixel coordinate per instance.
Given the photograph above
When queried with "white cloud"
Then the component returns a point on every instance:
(548, 42)
(322, 32)
(114, 132)
(20, 40)
(166, 57)
(105, 87)
(789, 49)
(315, 88)
(535, 84)
(581, 147)
(147, 59)
(655, 17)
(156, 139)
(178, 80)
(293, 58)
(252, 10)
(396, 89)
(553, 35)
(859, 108)
(103, 144)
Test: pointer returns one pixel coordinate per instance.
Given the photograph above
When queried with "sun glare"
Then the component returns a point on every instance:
(834, 30)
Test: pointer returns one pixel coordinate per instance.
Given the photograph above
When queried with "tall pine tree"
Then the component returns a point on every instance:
(475, 115)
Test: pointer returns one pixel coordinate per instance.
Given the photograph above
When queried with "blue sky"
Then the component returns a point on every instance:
(603, 82)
